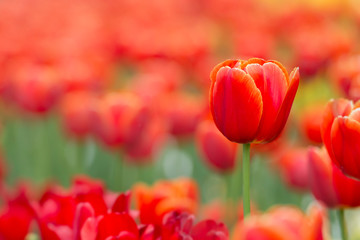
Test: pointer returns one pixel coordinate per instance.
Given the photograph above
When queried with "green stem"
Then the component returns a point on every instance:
(234, 180)
(246, 179)
(342, 223)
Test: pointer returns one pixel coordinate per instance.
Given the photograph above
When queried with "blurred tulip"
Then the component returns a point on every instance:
(293, 164)
(328, 184)
(36, 87)
(310, 123)
(76, 109)
(183, 112)
(345, 74)
(283, 223)
(145, 147)
(251, 100)
(118, 119)
(163, 197)
(217, 151)
(340, 132)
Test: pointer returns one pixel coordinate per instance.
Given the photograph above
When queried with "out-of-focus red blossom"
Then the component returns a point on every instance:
(328, 184)
(35, 87)
(183, 112)
(310, 123)
(225, 211)
(177, 226)
(163, 197)
(251, 100)
(345, 74)
(119, 118)
(284, 223)
(328, 41)
(145, 147)
(340, 131)
(76, 110)
(216, 150)
(16, 216)
(293, 165)
(62, 214)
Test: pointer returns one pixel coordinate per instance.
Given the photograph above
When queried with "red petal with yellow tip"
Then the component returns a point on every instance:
(339, 107)
(236, 105)
(284, 110)
(345, 142)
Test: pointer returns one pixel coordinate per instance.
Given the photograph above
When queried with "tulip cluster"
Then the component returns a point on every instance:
(88, 211)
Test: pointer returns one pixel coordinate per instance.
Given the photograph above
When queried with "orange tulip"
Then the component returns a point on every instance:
(283, 223)
(164, 197)
(251, 100)
(328, 184)
(340, 132)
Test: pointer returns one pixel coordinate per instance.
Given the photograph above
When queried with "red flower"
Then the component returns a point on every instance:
(293, 164)
(216, 150)
(251, 100)
(119, 118)
(340, 131)
(310, 123)
(328, 184)
(283, 223)
(164, 197)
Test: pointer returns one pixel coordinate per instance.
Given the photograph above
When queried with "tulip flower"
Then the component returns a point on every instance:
(328, 184)
(76, 110)
(251, 100)
(310, 122)
(293, 165)
(283, 223)
(216, 150)
(340, 130)
(165, 196)
(119, 118)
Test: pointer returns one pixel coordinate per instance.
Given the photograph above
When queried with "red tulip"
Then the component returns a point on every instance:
(310, 123)
(76, 111)
(340, 131)
(293, 164)
(216, 150)
(328, 184)
(251, 100)
(119, 118)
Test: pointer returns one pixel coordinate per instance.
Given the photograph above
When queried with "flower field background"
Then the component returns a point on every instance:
(98, 98)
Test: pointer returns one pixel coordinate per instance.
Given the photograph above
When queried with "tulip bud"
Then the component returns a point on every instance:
(251, 100)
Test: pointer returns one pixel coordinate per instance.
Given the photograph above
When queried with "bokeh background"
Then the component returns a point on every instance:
(117, 90)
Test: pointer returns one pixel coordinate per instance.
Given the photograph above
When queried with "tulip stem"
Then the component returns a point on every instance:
(246, 179)
(342, 223)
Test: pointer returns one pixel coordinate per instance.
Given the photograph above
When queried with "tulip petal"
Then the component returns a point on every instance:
(346, 188)
(339, 107)
(236, 105)
(320, 177)
(273, 93)
(345, 142)
(274, 129)
(229, 63)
